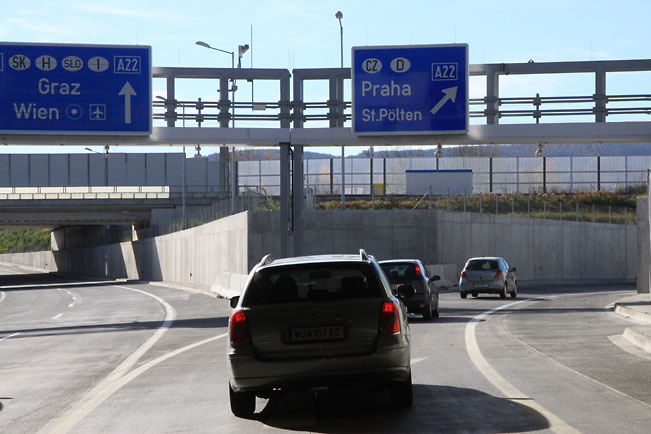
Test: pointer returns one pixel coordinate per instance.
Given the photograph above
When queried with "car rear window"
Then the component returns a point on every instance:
(482, 265)
(399, 272)
(312, 282)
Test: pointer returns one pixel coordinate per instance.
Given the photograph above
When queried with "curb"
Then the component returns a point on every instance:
(632, 313)
(639, 336)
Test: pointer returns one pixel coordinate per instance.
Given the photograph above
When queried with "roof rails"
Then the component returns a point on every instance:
(363, 254)
(266, 260)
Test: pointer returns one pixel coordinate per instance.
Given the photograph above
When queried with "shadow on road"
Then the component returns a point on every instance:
(435, 409)
(216, 323)
(443, 319)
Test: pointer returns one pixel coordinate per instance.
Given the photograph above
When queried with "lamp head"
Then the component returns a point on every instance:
(339, 15)
(202, 44)
(241, 49)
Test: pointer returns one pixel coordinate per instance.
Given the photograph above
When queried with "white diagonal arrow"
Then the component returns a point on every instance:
(450, 94)
(128, 92)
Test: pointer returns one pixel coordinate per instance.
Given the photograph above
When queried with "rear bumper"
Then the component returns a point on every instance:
(416, 304)
(493, 287)
(254, 375)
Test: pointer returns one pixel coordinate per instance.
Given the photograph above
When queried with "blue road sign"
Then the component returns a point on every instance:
(75, 89)
(412, 89)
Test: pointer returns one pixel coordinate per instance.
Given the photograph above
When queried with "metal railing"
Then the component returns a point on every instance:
(85, 192)
(536, 207)
(249, 200)
(292, 108)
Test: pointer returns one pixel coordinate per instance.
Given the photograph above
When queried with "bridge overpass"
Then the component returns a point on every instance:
(532, 118)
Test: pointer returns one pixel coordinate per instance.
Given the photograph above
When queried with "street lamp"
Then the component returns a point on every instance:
(241, 49)
(339, 16)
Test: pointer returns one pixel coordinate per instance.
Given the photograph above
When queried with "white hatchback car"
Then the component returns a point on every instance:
(318, 321)
(488, 275)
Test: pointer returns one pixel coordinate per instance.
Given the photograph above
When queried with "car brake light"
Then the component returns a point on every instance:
(417, 270)
(389, 318)
(464, 275)
(498, 274)
(239, 328)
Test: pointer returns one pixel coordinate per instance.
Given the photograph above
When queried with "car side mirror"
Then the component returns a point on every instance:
(406, 291)
(434, 278)
(513, 269)
(234, 301)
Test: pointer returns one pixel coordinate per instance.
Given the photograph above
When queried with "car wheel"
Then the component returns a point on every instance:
(503, 292)
(427, 311)
(474, 294)
(435, 314)
(401, 394)
(463, 294)
(515, 291)
(242, 403)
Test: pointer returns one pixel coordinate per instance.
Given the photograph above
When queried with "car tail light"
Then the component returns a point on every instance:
(389, 318)
(240, 331)
(498, 274)
(417, 270)
(464, 275)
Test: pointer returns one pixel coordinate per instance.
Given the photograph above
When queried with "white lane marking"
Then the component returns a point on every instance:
(2, 296)
(556, 424)
(417, 360)
(57, 316)
(107, 386)
(72, 295)
(69, 420)
(9, 336)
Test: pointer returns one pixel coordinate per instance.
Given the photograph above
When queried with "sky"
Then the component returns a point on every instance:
(305, 34)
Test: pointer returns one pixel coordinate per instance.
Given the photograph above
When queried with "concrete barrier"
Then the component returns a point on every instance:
(218, 256)
(540, 249)
(449, 274)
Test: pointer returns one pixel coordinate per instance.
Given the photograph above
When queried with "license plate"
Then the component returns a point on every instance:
(481, 285)
(315, 334)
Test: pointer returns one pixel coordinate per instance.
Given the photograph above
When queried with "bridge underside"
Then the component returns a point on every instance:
(59, 213)
(580, 132)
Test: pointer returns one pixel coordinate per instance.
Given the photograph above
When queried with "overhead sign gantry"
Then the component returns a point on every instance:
(411, 89)
(75, 89)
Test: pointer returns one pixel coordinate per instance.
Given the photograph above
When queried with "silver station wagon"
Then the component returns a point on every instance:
(317, 321)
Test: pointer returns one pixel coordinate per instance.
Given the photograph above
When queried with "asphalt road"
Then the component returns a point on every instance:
(108, 357)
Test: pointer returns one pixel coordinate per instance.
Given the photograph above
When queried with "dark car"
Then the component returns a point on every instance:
(412, 272)
(317, 321)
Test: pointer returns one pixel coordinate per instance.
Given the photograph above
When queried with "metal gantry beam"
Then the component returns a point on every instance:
(294, 111)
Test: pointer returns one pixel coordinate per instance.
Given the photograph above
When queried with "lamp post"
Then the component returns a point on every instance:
(339, 16)
(241, 49)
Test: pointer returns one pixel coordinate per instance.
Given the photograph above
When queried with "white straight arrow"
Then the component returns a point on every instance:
(450, 94)
(128, 92)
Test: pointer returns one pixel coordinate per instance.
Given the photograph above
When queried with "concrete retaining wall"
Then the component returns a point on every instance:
(210, 257)
(218, 256)
(539, 249)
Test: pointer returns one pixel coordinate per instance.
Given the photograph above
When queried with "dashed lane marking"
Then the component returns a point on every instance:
(122, 374)
(9, 336)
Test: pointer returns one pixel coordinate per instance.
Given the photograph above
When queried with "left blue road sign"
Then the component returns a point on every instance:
(75, 89)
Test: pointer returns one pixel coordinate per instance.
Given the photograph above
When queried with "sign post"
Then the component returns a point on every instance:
(75, 89)
(412, 89)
